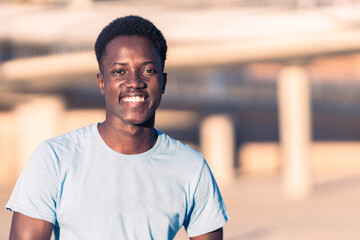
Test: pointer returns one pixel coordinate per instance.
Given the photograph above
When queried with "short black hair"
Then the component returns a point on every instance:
(130, 26)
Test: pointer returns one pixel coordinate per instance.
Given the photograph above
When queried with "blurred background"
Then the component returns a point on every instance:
(267, 90)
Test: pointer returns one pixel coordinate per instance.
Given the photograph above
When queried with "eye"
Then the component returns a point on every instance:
(119, 72)
(149, 71)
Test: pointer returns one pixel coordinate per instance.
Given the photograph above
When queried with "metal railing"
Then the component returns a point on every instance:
(10, 50)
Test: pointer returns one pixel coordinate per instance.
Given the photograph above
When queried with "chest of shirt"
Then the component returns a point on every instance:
(122, 194)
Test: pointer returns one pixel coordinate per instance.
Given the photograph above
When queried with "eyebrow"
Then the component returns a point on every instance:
(119, 63)
(124, 64)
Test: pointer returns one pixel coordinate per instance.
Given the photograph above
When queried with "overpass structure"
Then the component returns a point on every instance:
(47, 50)
(196, 37)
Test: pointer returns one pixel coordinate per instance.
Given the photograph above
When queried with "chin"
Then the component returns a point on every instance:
(141, 121)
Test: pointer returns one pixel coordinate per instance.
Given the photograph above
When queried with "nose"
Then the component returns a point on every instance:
(134, 81)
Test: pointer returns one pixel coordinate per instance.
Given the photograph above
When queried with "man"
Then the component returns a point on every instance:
(119, 179)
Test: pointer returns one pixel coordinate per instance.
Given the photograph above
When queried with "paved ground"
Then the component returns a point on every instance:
(260, 212)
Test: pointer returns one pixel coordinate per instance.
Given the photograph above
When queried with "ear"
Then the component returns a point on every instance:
(100, 80)
(164, 82)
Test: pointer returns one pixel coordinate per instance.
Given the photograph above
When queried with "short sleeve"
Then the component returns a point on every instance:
(35, 192)
(208, 212)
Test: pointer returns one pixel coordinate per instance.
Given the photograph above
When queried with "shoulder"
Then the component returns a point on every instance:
(187, 162)
(74, 137)
(64, 146)
(180, 150)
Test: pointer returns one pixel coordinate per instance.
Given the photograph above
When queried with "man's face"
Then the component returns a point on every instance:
(132, 80)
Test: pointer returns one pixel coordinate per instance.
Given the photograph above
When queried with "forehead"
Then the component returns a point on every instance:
(134, 45)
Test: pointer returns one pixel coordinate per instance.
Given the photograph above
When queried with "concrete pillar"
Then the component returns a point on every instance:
(36, 120)
(295, 131)
(217, 142)
(7, 150)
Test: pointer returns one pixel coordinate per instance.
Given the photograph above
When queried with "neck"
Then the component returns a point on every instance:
(128, 140)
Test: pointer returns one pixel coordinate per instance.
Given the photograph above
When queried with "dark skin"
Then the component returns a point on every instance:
(28, 228)
(132, 81)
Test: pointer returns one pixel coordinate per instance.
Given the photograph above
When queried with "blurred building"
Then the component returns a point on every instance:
(224, 62)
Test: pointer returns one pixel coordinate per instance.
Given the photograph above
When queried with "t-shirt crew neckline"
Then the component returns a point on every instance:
(117, 155)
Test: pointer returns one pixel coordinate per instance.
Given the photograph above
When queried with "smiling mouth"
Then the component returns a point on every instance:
(133, 99)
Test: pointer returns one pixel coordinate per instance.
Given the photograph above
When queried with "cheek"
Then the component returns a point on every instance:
(157, 87)
(111, 88)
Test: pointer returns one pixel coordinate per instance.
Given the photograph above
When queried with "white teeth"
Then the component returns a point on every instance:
(134, 99)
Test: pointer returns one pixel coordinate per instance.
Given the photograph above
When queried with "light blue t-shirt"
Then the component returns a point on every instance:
(89, 191)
